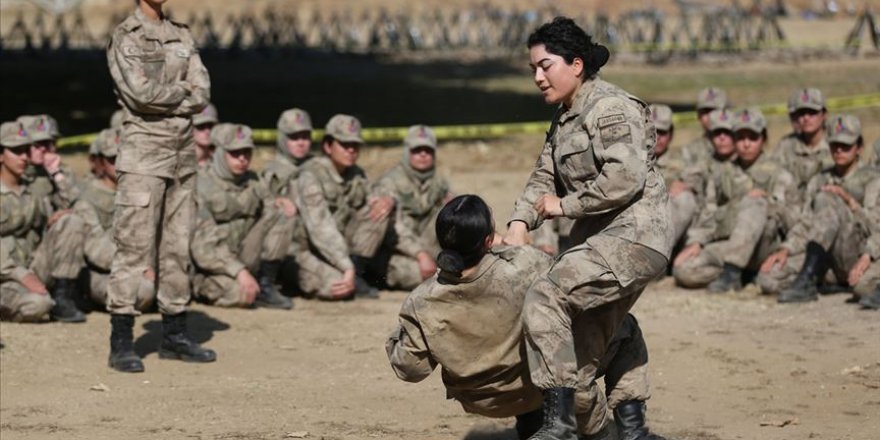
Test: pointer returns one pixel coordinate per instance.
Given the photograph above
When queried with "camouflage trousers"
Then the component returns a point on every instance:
(570, 317)
(399, 271)
(59, 256)
(684, 209)
(313, 275)
(869, 281)
(96, 282)
(153, 225)
(754, 235)
(268, 240)
(834, 227)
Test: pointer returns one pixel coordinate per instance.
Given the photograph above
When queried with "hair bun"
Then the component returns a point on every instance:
(451, 261)
(599, 55)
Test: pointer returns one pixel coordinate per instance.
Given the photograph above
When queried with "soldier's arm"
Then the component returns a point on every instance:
(100, 247)
(540, 182)
(9, 269)
(137, 90)
(67, 191)
(869, 215)
(800, 216)
(320, 224)
(703, 230)
(618, 136)
(407, 349)
(199, 84)
(209, 251)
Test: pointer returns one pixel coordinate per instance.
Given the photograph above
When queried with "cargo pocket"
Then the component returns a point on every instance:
(140, 199)
(576, 159)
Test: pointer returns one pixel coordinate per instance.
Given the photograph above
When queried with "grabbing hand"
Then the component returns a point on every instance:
(33, 284)
(549, 206)
(248, 286)
(344, 287)
(380, 207)
(517, 234)
(690, 251)
(51, 162)
(776, 259)
(859, 269)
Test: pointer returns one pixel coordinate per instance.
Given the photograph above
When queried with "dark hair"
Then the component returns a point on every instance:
(462, 227)
(565, 38)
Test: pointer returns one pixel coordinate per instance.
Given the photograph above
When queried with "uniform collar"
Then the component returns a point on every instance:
(155, 30)
(7, 190)
(483, 266)
(801, 148)
(580, 100)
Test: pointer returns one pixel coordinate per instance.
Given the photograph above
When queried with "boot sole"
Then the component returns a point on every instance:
(273, 306)
(121, 370)
(172, 355)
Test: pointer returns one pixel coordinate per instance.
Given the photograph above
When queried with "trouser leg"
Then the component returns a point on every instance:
(178, 223)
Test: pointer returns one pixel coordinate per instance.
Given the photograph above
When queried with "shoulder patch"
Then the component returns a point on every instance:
(614, 134)
(606, 121)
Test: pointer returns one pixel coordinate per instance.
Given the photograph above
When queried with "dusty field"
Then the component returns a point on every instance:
(722, 367)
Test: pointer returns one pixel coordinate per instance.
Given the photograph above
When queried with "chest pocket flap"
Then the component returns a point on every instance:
(574, 156)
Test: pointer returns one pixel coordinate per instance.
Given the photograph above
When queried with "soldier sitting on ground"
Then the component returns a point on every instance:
(203, 122)
(832, 229)
(243, 229)
(293, 149)
(96, 206)
(344, 225)
(671, 164)
(700, 149)
(39, 254)
(864, 275)
(410, 247)
(47, 177)
(804, 152)
(466, 319)
(743, 215)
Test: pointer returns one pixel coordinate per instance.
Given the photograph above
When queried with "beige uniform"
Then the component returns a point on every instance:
(802, 161)
(334, 213)
(736, 228)
(418, 199)
(161, 82)
(471, 327)
(598, 158)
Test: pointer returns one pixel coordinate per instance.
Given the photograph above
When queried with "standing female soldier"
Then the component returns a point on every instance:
(161, 82)
(596, 167)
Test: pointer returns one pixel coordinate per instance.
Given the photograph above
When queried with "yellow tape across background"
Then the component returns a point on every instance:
(485, 131)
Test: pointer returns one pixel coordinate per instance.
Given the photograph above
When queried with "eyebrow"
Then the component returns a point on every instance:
(540, 61)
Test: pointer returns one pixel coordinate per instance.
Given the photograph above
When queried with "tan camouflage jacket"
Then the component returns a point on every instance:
(671, 165)
(854, 183)
(871, 211)
(22, 219)
(60, 195)
(801, 161)
(280, 175)
(598, 158)
(417, 204)
(327, 202)
(471, 327)
(96, 207)
(227, 212)
(733, 183)
(699, 150)
(160, 82)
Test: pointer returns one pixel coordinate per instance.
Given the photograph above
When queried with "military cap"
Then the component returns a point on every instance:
(806, 98)
(844, 129)
(294, 121)
(232, 137)
(13, 134)
(750, 119)
(420, 136)
(108, 142)
(344, 128)
(117, 118)
(711, 98)
(39, 127)
(721, 119)
(662, 116)
(208, 115)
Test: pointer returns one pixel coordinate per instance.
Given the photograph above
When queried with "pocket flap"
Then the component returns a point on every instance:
(133, 198)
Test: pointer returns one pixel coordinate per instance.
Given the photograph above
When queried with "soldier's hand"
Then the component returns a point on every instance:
(517, 234)
(776, 259)
(344, 287)
(57, 215)
(380, 207)
(150, 275)
(837, 190)
(286, 206)
(548, 249)
(51, 162)
(859, 269)
(427, 265)
(248, 285)
(677, 187)
(690, 251)
(549, 206)
(33, 284)
(757, 193)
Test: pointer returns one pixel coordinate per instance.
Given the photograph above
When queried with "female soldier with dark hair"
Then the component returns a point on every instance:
(596, 167)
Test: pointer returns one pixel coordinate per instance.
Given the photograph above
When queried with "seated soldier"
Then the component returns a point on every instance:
(344, 226)
(203, 122)
(96, 207)
(864, 276)
(832, 229)
(242, 227)
(671, 163)
(699, 150)
(35, 251)
(804, 152)
(466, 318)
(743, 214)
(47, 177)
(293, 149)
(407, 254)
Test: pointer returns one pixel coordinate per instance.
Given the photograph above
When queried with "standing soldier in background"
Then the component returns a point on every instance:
(410, 248)
(161, 82)
(700, 149)
(203, 122)
(47, 177)
(805, 151)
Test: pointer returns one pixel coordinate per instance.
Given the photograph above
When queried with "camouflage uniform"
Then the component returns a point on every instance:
(60, 190)
(598, 158)
(700, 150)
(488, 374)
(554, 234)
(334, 210)
(733, 227)
(671, 165)
(801, 160)
(418, 196)
(281, 173)
(161, 82)
(239, 225)
(96, 206)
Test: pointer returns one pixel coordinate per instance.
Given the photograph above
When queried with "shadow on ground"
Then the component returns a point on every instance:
(200, 328)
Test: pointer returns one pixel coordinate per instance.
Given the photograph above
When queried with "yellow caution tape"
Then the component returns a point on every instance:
(485, 131)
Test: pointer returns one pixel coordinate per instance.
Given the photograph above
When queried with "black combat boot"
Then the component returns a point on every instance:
(177, 345)
(558, 421)
(730, 279)
(630, 419)
(528, 424)
(269, 296)
(63, 291)
(871, 300)
(608, 432)
(362, 289)
(806, 285)
(122, 355)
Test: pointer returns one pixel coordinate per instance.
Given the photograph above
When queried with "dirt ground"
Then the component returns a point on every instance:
(722, 366)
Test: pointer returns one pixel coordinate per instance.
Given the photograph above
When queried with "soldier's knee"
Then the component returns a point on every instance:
(34, 307)
(769, 283)
(686, 276)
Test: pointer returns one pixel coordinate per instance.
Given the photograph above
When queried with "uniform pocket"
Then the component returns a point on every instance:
(133, 198)
(576, 159)
(154, 65)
